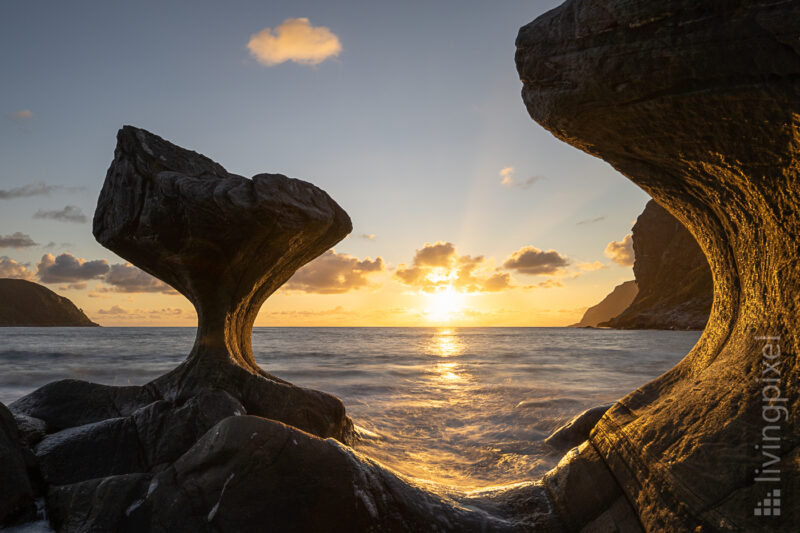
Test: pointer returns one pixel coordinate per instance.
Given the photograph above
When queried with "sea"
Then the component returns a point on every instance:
(465, 407)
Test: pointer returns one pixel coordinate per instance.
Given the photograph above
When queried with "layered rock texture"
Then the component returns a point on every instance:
(609, 307)
(697, 103)
(675, 286)
(24, 303)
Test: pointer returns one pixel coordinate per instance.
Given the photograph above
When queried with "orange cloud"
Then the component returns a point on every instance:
(333, 273)
(438, 266)
(621, 252)
(294, 40)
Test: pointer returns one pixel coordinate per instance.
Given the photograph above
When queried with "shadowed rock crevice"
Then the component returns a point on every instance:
(698, 105)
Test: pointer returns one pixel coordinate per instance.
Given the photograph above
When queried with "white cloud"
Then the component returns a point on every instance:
(507, 175)
(294, 40)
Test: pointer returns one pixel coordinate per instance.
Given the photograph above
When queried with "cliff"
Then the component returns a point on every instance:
(24, 303)
(696, 103)
(675, 285)
(611, 306)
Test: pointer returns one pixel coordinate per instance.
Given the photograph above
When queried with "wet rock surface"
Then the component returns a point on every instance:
(577, 430)
(675, 285)
(697, 103)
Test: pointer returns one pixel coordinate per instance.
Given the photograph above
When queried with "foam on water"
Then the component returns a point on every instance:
(464, 406)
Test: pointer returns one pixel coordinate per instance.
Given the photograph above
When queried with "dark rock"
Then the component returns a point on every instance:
(611, 306)
(248, 472)
(576, 430)
(93, 450)
(154, 435)
(180, 216)
(697, 103)
(24, 303)
(675, 286)
(31, 430)
(16, 492)
(96, 505)
(70, 402)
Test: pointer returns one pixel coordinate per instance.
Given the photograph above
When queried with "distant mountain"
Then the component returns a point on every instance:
(24, 303)
(675, 285)
(611, 306)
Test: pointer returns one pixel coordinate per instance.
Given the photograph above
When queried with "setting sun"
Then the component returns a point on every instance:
(444, 305)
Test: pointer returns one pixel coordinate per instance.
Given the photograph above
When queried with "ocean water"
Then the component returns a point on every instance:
(468, 407)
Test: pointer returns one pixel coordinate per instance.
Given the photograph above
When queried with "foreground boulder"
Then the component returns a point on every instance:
(16, 490)
(248, 473)
(697, 103)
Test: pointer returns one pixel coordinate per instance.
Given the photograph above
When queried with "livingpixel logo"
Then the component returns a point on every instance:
(773, 412)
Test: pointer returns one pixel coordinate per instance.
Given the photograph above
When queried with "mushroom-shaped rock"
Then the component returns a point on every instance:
(226, 243)
(698, 104)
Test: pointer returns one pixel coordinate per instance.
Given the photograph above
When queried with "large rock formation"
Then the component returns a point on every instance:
(675, 286)
(698, 104)
(612, 305)
(24, 303)
(177, 454)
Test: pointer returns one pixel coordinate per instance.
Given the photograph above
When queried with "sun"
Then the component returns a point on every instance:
(444, 305)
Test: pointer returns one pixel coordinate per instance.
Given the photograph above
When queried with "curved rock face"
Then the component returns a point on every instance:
(697, 103)
(675, 286)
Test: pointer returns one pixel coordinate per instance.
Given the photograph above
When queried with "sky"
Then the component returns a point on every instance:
(465, 211)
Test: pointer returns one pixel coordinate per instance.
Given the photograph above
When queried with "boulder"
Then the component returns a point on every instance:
(95, 505)
(577, 429)
(16, 496)
(248, 473)
(697, 103)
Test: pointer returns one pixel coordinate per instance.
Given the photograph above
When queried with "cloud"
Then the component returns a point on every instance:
(128, 278)
(67, 268)
(70, 213)
(621, 252)
(507, 175)
(591, 267)
(367, 236)
(118, 312)
(11, 269)
(533, 261)
(22, 114)
(438, 266)
(16, 240)
(333, 273)
(294, 40)
(440, 254)
(549, 284)
(590, 220)
(35, 189)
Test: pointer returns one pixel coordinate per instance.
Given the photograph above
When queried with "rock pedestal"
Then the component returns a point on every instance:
(698, 104)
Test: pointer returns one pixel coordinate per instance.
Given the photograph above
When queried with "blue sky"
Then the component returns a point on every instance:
(407, 127)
